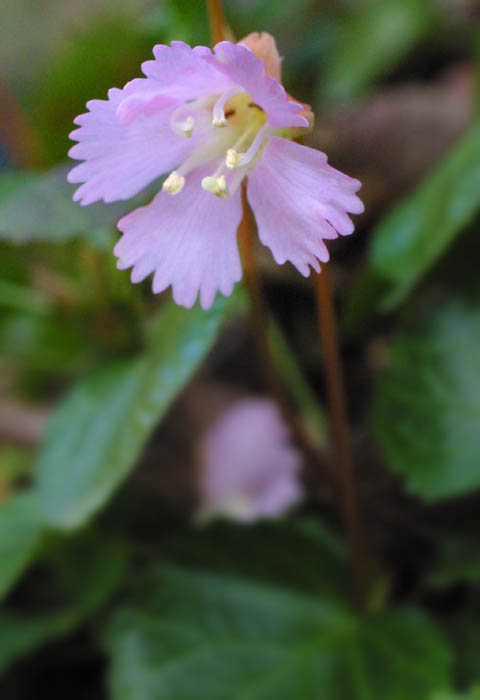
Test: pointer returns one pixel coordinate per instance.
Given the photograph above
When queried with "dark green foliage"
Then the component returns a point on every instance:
(426, 413)
(85, 573)
(39, 207)
(99, 556)
(20, 531)
(99, 429)
(413, 237)
(199, 636)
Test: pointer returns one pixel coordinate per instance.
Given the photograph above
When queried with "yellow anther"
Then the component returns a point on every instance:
(187, 127)
(215, 185)
(219, 121)
(232, 159)
(174, 183)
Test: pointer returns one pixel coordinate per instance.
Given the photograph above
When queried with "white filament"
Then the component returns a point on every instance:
(174, 183)
(218, 117)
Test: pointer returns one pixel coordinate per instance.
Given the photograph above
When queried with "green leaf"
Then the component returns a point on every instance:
(473, 694)
(462, 630)
(410, 240)
(428, 403)
(287, 551)
(39, 207)
(99, 430)
(375, 36)
(205, 637)
(104, 560)
(357, 314)
(458, 562)
(20, 533)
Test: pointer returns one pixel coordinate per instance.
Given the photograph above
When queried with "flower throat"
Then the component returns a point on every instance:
(238, 130)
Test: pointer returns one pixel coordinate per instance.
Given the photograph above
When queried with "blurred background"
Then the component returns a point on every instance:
(121, 575)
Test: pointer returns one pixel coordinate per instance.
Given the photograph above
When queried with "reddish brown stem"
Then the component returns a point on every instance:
(218, 24)
(16, 132)
(260, 333)
(340, 433)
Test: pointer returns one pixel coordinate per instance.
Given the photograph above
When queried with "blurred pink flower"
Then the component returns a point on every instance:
(248, 468)
(211, 118)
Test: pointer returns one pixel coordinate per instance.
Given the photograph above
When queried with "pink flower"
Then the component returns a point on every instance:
(212, 118)
(249, 469)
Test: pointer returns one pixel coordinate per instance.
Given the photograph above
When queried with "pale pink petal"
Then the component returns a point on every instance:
(249, 469)
(263, 46)
(187, 240)
(278, 497)
(240, 64)
(181, 72)
(299, 201)
(142, 97)
(178, 73)
(120, 160)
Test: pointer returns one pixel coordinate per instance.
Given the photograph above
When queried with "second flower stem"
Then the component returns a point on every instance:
(217, 20)
(260, 333)
(341, 434)
(341, 437)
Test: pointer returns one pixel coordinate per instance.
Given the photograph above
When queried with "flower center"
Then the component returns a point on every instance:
(241, 112)
(237, 133)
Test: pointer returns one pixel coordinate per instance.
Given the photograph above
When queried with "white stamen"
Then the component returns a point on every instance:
(174, 183)
(231, 161)
(218, 117)
(219, 170)
(209, 149)
(219, 122)
(182, 121)
(246, 158)
(216, 185)
(186, 127)
(235, 159)
(237, 180)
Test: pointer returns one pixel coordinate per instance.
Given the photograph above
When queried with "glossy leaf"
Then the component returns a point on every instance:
(428, 402)
(20, 534)
(205, 637)
(98, 431)
(410, 240)
(39, 207)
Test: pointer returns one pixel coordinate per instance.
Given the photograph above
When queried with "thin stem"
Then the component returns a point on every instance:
(18, 135)
(260, 333)
(218, 24)
(340, 433)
